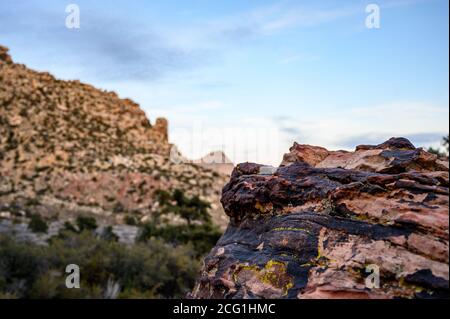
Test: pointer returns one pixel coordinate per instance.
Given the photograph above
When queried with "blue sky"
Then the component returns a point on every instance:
(253, 76)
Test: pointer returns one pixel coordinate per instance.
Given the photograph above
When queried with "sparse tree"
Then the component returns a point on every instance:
(438, 151)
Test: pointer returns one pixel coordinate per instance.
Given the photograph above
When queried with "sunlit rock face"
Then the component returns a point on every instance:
(325, 224)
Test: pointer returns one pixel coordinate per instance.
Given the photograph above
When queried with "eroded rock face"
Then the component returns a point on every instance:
(324, 221)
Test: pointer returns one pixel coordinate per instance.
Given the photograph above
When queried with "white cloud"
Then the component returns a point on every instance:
(264, 139)
(387, 120)
(214, 35)
(306, 17)
(201, 125)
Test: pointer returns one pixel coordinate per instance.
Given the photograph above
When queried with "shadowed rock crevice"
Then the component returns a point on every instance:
(311, 227)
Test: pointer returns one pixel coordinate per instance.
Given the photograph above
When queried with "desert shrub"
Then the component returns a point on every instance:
(118, 208)
(33, 202)
(108, 234)
(198, 231)
(38, 224)
(131, 220)
(440, 152)
(202, 237)
(162, 264)
(154, 269)
(191, 209)
(163, 197)
(20, 264)
(68, 226)
(86, 223)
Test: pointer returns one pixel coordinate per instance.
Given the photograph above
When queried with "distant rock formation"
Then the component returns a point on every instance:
(218, 162)
(326, 224)
(67, 148)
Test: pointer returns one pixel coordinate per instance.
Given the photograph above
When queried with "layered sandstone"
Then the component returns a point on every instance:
(323, 222)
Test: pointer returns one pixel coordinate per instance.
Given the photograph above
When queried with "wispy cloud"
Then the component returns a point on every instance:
(424, 123)
(112, 47)
(305, 17)
(122, 47)
(294, 16)
(374, 138)
(241, 28)
(106, 47)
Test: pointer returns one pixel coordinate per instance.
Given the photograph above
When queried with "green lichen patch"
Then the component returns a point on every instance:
(273, 274)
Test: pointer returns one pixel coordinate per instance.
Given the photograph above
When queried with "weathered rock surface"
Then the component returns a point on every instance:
(323, 221)
(67, 148)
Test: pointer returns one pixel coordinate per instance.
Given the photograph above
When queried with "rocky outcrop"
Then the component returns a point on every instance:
(4, 56)
(67, 148)
(162, 128)
(218, 162)
(330, 224)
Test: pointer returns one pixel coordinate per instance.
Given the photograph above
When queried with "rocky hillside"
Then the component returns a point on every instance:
(67, 148)
(324, 224)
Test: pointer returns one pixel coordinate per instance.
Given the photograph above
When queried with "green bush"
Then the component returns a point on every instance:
(69, 227)
(38, 224)
(198, 231)
(162, 264)
(118, 208)
(131, 220)
(202, 237)
(153, 269)
(109, 235)
(440, 152)
(86, 223)
(190, 209)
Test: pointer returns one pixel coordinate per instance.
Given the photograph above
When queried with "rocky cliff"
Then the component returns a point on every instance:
(372, 223)
(67, 148)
